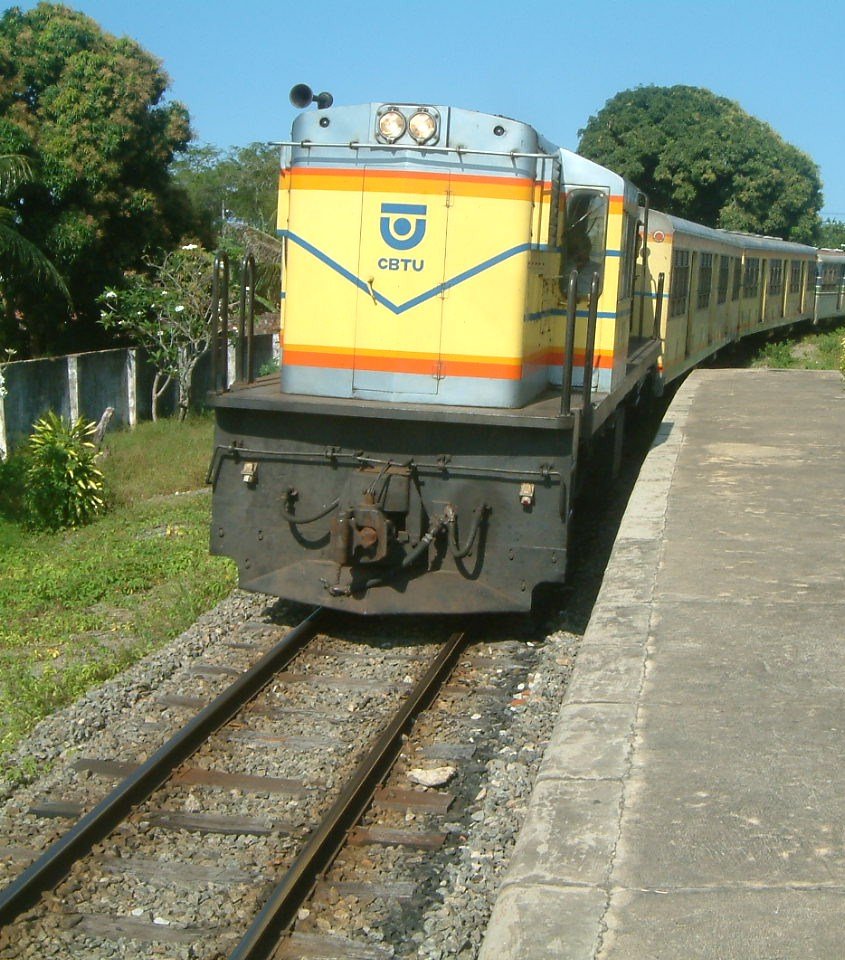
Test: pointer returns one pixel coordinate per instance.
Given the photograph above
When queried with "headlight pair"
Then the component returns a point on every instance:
(392, 124)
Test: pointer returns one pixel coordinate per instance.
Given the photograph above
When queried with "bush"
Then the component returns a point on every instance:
(64, 486)
(13, 486)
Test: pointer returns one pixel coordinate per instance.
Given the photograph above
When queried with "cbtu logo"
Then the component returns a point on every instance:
(402, 224)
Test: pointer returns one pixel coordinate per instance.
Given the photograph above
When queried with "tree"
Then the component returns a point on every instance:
(701, 157)
(168, 311)
(88, 109)
(17, 254)
(832, 234)
(235, 187)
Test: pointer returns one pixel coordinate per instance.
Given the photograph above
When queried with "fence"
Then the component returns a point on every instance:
(84, 384)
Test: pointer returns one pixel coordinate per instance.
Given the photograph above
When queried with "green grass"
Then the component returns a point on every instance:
(77, 607)
(819, 350)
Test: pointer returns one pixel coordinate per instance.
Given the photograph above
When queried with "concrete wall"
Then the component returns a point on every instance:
(84, 384)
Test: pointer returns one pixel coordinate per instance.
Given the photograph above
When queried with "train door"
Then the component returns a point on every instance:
(399, 307)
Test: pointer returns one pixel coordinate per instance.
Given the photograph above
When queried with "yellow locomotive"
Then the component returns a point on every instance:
(464, 306)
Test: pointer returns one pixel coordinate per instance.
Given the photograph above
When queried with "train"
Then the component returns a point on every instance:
(466, 307)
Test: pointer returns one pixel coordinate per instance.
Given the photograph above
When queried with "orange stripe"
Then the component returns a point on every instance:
(500, 368)
(415, 182)
(602, 359)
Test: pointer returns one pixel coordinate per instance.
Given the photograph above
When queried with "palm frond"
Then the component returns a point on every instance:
(20, 256)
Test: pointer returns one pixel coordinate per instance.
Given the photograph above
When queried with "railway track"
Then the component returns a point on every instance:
(124, 836)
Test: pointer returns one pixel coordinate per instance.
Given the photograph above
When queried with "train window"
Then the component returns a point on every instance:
(736, 286)
(751, 281)
(724, 271)
(680, 283)
(831, 277)
(705, 280)
(584, 236)
(812, 274)
(794, 276)
(775, 277)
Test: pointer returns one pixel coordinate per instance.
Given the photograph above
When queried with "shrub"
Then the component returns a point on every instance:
(64, 486)
(12, 486)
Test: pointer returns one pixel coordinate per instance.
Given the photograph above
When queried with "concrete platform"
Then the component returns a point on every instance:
(691, 803)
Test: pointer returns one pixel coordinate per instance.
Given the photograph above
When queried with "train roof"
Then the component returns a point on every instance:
(672, 225)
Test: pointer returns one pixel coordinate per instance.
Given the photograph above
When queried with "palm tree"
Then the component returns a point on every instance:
(17, 254)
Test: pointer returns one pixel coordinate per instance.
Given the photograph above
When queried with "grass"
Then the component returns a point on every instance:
(78, 607)
(819, 350)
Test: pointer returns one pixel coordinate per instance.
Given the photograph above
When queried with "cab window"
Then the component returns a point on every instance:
(584, 236)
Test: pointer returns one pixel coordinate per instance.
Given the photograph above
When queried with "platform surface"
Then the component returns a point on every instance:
(691, 803)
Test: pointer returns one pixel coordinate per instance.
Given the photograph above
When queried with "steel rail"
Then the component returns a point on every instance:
(280, 910)
(57, 860)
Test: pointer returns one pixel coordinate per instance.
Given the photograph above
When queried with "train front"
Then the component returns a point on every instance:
(399, 463)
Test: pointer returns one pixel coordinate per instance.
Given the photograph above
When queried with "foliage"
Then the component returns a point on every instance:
(701, 157)
(820, 349)
(86, 108)
(77, 608)
(168, 311)
(235, 187)
(234, 195)
(832, 234)
(19, 256)
(64, 485)
(157, 459)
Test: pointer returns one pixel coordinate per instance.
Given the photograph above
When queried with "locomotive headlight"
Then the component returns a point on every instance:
(423, 126)
(391, 125)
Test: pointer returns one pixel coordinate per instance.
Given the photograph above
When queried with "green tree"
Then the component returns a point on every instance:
(168, 311)
(701, 157)
(88, 109)
(832, 234)
(233, 187)
(19, 256)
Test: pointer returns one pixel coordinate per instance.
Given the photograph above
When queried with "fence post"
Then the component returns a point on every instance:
(73, 388)
(132, 386)
(4, 448)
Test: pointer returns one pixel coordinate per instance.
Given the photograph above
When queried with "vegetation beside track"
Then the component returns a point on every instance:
(79, 606)
(819, 349)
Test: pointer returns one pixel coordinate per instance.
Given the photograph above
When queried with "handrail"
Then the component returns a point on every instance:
(569, 347)
(589, 356)
(658, 310)
(421, 148)
(246, 324)
(220, 323)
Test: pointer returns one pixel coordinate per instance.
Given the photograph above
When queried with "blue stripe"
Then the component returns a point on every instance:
(429, 294)
(540, 314)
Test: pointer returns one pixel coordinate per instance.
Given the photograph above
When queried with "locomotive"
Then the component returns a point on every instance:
(465, 305)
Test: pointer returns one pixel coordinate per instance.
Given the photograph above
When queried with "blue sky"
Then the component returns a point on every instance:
(552, 64)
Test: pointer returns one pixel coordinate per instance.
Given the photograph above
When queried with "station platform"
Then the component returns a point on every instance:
(691, 802)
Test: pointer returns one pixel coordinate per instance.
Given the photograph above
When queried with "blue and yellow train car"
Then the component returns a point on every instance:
(415, 452)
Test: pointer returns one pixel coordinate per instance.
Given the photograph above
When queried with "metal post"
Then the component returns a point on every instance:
(220, 323)
(569, 347)
(248, 316)
(645, 284)
(590, 351)
(658, 310)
